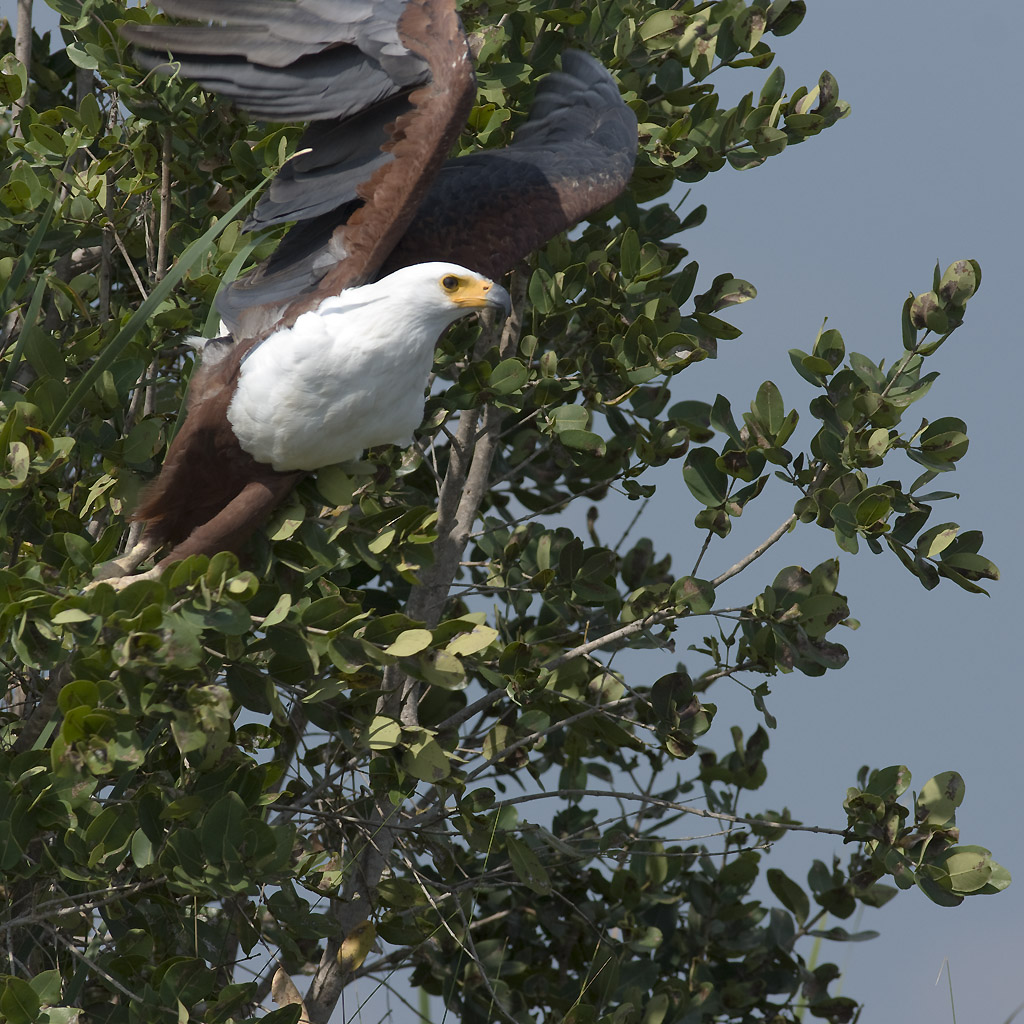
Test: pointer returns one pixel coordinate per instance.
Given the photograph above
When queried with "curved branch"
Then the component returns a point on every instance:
(463, 490)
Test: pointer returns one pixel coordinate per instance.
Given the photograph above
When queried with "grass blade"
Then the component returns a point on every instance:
(19, 345)
(192, 254)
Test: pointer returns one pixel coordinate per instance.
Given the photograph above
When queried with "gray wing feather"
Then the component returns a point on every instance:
(281, 33)
(486, 210)
(327, 62)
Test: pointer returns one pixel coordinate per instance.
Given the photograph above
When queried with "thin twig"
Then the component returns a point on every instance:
(775, 537)
(541, 733)
(79, 902)
(94, 965)
(131, 264)
(700, 812)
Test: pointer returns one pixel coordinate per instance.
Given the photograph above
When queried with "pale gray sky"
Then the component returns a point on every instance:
(926, 168)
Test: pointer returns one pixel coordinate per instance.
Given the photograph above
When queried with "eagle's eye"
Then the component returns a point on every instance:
(449, 283)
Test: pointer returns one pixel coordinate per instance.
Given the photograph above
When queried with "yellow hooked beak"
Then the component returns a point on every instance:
(472, 292)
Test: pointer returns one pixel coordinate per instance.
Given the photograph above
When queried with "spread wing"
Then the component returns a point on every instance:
(486, 210)
(573, 155)
(387, 87)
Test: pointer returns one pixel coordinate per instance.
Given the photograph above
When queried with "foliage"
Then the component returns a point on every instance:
(393, 739)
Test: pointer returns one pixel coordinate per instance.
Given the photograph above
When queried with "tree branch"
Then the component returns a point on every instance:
(532, 737)
(775, 537)
(367, 866)
(465, 484)
(22, 54)
(664, 615)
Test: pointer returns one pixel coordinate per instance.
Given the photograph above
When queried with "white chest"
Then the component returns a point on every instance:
(332, 386)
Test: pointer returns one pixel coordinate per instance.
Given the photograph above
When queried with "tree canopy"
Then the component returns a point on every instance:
(392, 742)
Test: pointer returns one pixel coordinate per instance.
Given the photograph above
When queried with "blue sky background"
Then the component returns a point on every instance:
(926, 168)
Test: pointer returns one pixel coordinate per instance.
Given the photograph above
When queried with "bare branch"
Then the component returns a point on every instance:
(470, 456)
(93, 965)
(655, 618)
(368, 866)
(734, 570)
(22, 54)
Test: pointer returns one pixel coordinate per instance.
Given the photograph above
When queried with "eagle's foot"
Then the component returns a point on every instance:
(119, 572)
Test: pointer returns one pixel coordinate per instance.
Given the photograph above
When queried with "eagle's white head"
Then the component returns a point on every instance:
(437, 294)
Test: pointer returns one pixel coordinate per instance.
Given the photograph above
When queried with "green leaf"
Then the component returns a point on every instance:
(144, 440)
(837, 934)
(926, 312)
(706, 482)
(939, 798)
(13, 79)
(583, 440)
(789, 894)
(47, 986)
(569, 417)
(384, 733)
(968, 868)
(25, 335)
(18, 1002)
(971, 566)
(769, 407)
(768, 141)
(508, 377)
(937, 893)
(786, 17)
(698, 596)
(409, 642)
(278, 613)
(425, 759)
(286, 1015)
(222, 830)
(479, 638)
(889, 783)
(527, 866)
(444, 669)
(662, 23)
(563, 16)
(10, 849)
(959, 282)
(335, 485)
(748, 28)
(109, 833)
(81, 57)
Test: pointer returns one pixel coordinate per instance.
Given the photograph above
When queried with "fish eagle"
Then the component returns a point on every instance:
(331, 338)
